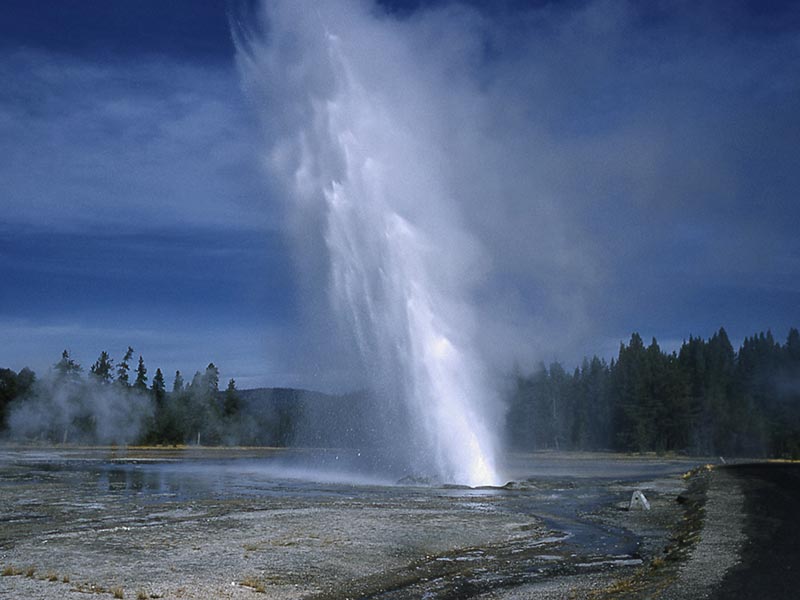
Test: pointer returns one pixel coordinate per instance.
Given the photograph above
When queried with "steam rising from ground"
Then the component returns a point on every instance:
(74, 411)
(362, 156)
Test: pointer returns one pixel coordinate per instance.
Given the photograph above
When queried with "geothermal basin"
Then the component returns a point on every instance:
(250, 523)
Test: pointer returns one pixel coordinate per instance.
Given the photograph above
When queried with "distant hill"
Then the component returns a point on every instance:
(297, 417)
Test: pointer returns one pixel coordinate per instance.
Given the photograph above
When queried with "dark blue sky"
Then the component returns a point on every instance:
(115, 29)
(135, 208)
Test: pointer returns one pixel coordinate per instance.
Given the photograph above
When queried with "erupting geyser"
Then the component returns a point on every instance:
(352, 140)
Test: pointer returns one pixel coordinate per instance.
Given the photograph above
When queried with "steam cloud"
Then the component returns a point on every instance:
(65, 410)
(594, 152)
(502, 142)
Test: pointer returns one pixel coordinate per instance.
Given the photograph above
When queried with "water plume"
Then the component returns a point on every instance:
(347, 143)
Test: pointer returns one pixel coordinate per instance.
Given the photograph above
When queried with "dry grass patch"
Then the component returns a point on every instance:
(254, 584)
(10, 570)
(87, 588)
(657, 563)
(286, 543)
(117, 592)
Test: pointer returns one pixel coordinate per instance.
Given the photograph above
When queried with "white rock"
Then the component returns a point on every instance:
(638, 501)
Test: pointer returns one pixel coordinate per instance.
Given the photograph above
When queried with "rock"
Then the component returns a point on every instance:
(638, 500)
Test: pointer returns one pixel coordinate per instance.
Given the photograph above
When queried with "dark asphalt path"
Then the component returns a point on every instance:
(770, 558)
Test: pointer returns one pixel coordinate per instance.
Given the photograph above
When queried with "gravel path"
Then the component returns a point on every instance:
(720, 543)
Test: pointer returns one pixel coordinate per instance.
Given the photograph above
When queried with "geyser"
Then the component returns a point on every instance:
(355, 147)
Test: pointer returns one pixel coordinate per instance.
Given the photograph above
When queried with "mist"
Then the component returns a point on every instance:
(594, 153)
(72, 410)
(379, 225)
(570, 167)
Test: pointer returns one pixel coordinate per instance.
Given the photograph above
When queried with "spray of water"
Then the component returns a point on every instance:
(400, 263)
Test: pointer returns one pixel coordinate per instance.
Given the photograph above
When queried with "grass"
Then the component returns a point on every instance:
(91, 588)
(141, 595)
(691, 473)
(10, 570)
(623, 586)
(30, 572)
(65, 579)
(117, 592)
(254, 584)
(51, 576)
(284, 542)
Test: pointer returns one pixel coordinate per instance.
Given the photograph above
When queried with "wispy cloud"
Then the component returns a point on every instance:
(132, 144)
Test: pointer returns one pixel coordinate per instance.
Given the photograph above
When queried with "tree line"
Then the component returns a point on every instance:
(703, 399)
(104, 406)
(706, 398)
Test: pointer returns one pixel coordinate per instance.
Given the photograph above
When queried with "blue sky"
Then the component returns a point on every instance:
(640, 164)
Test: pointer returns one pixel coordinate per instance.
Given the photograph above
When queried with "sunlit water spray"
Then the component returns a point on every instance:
(399, 262)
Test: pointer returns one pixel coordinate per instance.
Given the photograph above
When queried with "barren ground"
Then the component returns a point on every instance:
(236, 523)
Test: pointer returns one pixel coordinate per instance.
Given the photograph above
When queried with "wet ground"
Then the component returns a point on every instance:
(250, 523)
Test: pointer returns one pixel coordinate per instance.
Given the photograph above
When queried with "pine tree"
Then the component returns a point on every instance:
(123, 368)
(8, 392)
(792, 348)
(231, 404)
(630, 396)
(600, 404)
(25, 380)
(556, 400)
(66, 368)
(141, 376)
(160, 429)
(520, 417)
(69, 384)
(211, 379)
(177, 384)
(207, 395)
(101, 369)
(14, 386)
(159, 388)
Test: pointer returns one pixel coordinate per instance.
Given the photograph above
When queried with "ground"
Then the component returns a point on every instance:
(246, 523)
